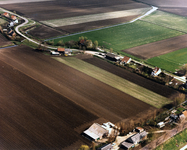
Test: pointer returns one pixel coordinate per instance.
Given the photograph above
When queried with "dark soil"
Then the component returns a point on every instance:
(4, 41)
(95, 24)
(44, 32)
(45, 104)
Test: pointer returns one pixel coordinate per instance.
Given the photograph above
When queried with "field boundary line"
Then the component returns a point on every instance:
(147, 13)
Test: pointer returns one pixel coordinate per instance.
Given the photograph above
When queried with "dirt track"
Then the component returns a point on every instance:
(44, 118)
(158, 48)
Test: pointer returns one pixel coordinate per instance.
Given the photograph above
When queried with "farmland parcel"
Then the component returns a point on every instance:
(117, 82)
(126, 36)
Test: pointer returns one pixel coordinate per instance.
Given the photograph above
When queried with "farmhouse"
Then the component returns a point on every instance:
(11, 33)
(95, 132)
(112, 57)
(6, 15)
(106, 147)
(125, 60)
(135, 139)
(64, 51)
(13, 17)
(156, 71)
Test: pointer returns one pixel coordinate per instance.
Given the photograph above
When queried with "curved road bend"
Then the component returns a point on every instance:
(17, 29)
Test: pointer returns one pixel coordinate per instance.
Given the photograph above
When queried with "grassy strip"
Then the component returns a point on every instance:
(167, 20)
(170, 61)
(126, 36)
(175, 142)
(115, 81)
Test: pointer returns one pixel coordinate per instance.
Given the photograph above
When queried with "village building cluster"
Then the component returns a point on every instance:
(8, 28)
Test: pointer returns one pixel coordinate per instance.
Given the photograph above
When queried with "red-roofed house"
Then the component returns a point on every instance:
(125, 60)
(156, 71)
(13, 17)
(6, 14)
(62, 50)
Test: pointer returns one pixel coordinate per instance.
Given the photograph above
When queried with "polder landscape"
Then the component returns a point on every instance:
(47, 101)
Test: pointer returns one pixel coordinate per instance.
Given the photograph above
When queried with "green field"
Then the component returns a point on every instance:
(175, 143)
(115, 81)
(171, 61)
(168, 20)
(126, 36)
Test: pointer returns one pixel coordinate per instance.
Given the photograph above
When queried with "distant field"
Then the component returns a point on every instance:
(127, 35)
(117, 82)
(170, 61)
(94, 17)
(168, 20)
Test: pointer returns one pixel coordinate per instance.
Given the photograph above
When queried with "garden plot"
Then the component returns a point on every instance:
(94, 17)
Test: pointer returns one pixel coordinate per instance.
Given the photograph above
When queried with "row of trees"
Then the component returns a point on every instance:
(82, 43)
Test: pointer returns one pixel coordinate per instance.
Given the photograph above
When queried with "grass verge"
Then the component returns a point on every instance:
(171, 61)
(175, 142)
(115, 81)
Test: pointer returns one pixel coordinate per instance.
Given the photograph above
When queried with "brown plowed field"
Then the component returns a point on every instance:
(59, 9)
(137, 79)
(172, 6)
(158, 48)
(44, 101)
(166, 3)
(64, 9)
(44, 32)
(34, 116)
(95, 24)
(4, 41)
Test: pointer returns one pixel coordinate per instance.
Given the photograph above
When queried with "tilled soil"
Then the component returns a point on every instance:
(43, 101)
(4, 41)
(137, 79)
(158, 48)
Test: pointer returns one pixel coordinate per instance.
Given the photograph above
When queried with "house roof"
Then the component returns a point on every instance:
(13, 17)
(185, 113)
(135, 138)
(125, 59)
(143, 134)
(156, 69)
(140, 129)
(61, 49)
(95, 131)
(127, 144)
(106, 147)
(6, 14)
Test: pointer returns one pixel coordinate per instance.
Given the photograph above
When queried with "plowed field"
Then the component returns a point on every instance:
(43, 101)
(4, 41)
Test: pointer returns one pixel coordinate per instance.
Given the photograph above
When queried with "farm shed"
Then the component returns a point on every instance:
(156, 71)
(161, 124)
(112, 57)
(6, 14)
(109, 127)
(106, 147)
(95, 132)
(133, 140)
(138, 129)
(125, 60)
